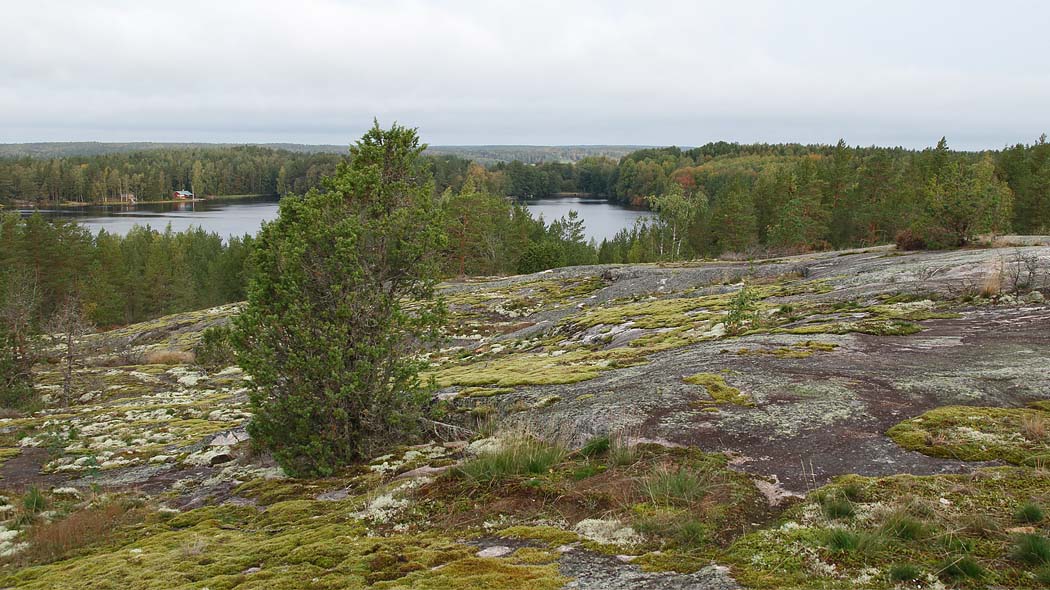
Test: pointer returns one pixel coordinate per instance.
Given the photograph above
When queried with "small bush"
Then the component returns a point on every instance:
(681, 487)
(34, 501)
(910, 240)
(526, 457)
(215, 350)
(54, 540)
(596, 446)
(1029, 512)
(1032, 549)
(1042, 575)
(904, 572)
(961, 567)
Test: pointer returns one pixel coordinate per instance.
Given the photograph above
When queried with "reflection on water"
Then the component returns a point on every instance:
(601, 218)
(225, 217)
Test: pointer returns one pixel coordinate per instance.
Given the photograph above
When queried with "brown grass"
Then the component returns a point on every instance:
(58, 539)
(1033, 427)
(169, 357)
(992, 284)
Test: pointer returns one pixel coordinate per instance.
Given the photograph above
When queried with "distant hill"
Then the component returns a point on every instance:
(485, 154)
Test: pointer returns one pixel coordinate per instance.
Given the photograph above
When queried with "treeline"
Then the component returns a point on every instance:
(153, 175)
(115, 279)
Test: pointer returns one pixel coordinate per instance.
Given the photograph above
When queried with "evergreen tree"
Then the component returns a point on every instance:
(326, 334)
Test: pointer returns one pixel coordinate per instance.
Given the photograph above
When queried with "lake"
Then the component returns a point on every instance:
(601, 219)
(227, 217)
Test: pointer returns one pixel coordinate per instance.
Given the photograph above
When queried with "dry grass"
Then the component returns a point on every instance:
(1033, 427)
(58, 539)
(992, 284)
(169, 357)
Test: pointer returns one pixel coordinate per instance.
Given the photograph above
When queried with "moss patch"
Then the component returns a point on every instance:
(1014, 435)
(720, 392)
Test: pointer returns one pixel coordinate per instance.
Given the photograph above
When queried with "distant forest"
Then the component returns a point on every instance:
(738, 196)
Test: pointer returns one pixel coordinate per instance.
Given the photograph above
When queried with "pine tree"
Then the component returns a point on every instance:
(327, 335)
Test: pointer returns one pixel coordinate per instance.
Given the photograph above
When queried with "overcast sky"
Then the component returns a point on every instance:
(641, 72)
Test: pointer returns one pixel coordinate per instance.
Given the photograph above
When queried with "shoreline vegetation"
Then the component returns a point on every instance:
(30, 204)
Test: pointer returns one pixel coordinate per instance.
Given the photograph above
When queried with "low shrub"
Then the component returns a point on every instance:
(55, 540)
(215, 349)
(907, 239)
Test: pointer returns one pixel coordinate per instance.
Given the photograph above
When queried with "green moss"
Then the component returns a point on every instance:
(720, 392)
(801, 551)
(976, 433)
(553, 537)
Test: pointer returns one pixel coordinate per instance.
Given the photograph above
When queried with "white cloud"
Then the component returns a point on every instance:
(896, 72)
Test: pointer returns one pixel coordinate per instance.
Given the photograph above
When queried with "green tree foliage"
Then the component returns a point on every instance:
(341, 300)
(962, 201)
(121, 280)
(675, 211)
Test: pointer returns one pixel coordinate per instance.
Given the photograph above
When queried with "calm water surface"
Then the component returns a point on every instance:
(226, 217)
(237, 217)
(601, 219)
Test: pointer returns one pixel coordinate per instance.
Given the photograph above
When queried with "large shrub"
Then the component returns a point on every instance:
(341, 300)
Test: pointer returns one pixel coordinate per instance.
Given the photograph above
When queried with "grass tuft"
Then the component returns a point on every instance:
(528, 457)
(680, 487)
(836, 507)
(1029, 512)
(1032, 549)
(961, 567)
(904, 572)
(34, 501)
(596, 446)
(903, 527)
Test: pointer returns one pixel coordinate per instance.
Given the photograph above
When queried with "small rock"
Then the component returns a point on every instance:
(485, 445)
(627, 558)
(252, 570)
(496, 551)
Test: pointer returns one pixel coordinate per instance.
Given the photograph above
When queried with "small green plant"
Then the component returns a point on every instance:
(596, 446)
(903, 527)
(34, 501)
(981, 525)
(852, 491)
(836, 507)
(691, 533)
(961, 567)
(681, 487)
(904, 572)
(215, 350)
(588, 470)
(1042, 575)
(621, 451)
(1029, 512)
(743, 311)
(525, 457)
(842, 541)
(1032, 549)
